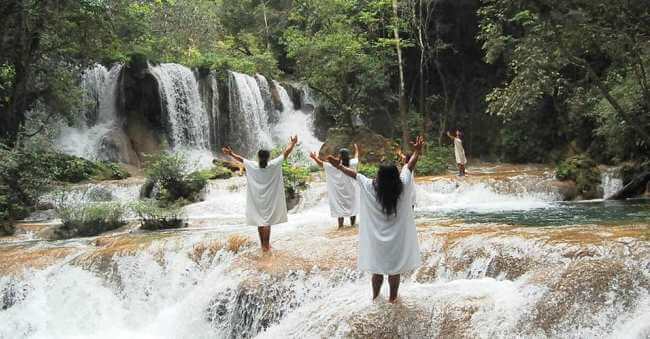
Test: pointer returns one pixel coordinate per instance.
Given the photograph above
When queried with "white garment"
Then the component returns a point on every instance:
(387, 244)
(265, 202)
(459, 152)
(342, 191)
(412, 185)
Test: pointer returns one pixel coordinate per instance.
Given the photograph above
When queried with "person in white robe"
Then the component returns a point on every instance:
(342, 191)
(459, 151)
(388, 242)
(265, 200)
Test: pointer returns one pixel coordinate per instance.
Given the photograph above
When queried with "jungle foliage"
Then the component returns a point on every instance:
(554, 76)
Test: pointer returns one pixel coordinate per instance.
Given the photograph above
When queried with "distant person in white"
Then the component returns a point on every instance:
(388, 243)
(405, 160)
(265, 201)
(342, 191)
(459, 151)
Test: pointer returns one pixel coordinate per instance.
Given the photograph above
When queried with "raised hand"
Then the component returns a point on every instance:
(293, 139)
(418, 144)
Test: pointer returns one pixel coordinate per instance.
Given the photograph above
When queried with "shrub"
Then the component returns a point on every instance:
(109, 171)
(154, 217)
(170, 172)
(369, 170)
(216, 172)
(434, 160)
(584, 171)
(89, 219)
(22, 182)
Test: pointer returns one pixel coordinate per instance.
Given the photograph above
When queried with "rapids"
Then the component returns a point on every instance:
(493, 266)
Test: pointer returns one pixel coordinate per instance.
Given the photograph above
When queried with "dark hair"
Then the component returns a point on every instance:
(388, 187)
(344, 153)
(263, 157)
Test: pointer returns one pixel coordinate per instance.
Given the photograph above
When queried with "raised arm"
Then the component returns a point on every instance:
(228, 151)
(357, 153)
(292, 143)
(336, 162)
(316, 159)
(450, 136)
(417, 150)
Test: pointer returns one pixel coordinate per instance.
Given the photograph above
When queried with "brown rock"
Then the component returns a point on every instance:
(374, 147)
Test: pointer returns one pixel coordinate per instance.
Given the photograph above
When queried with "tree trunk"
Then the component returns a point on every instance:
(403, 103)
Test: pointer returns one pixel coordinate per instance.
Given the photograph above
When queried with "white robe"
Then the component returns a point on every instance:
(265, 202)
(459, 152)
(413, 197)
(342, 191)
(387, 244)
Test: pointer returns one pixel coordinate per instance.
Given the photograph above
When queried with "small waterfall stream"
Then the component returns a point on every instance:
(99, 109)
(187, 118)
(249, 119)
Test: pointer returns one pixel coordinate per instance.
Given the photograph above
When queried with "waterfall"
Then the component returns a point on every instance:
(187, 118)
(249, 121)
(292, 121)
(99, 111)
(200, 113)
(210, 96)
(610, 181)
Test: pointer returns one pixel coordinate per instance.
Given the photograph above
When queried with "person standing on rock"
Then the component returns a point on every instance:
(459, 151)
(265, 201)
(388, 243)
(342, 191)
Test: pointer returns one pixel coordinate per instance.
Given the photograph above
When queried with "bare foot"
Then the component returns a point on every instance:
(394, 301)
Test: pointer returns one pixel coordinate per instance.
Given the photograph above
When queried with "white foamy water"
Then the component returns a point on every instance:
(187, 118)
(99, 105)
(294, 122)
(443, 195)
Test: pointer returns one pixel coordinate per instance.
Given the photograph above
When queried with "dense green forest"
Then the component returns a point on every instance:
(527, 81)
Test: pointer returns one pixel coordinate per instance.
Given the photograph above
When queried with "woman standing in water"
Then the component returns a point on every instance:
(388, 243)
(265, 201)
(342, 191)
(459, 151)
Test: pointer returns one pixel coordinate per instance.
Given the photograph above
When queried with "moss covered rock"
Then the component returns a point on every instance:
(374, 147)
(584, 172)
(216, 172)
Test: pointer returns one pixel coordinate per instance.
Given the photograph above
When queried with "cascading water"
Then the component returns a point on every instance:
(477, 280)
(293, 121)
(99, 106)
(187, 118)
(611, 182)
(249, 120)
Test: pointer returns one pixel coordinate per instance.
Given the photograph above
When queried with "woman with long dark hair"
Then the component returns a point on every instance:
(265, 201)
(342, 191)
(388, 242)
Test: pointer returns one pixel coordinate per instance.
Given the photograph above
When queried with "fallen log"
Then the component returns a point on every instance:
(635, 187)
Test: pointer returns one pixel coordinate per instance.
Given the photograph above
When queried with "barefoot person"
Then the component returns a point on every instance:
(342, 191)
(388, 243)
(459, 151)
(265, 202)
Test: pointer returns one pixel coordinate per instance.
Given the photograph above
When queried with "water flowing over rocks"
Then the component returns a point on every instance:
(139, 108)
(485, 273)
